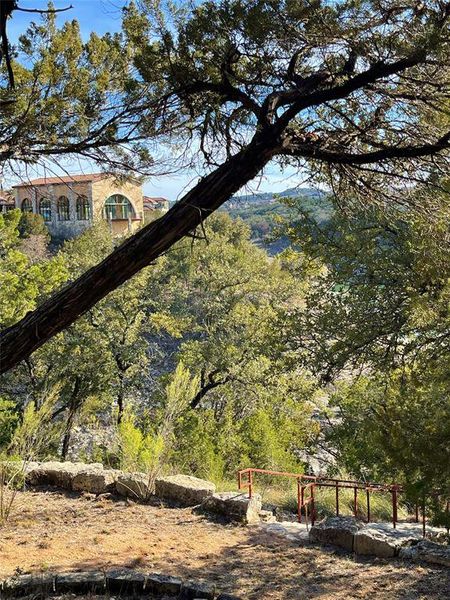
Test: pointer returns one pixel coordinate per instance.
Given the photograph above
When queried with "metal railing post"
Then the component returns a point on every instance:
(368, 504)
(423, 517)
(394, 507)
(447, 515)
(250, 483)
(337, 498)
(313, 507)
(299, 500)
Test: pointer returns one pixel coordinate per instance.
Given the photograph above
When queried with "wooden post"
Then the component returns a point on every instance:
(355, 501)
(299, 500)
(250, 484)
(368, 504)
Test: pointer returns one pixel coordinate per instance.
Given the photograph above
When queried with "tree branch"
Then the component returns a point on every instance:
(308, 150)
(44, 11)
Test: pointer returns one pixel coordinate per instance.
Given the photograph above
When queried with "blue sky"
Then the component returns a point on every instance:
(105, 15)
(93, 15)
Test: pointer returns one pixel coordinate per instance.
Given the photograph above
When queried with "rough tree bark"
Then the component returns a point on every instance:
(62, 309)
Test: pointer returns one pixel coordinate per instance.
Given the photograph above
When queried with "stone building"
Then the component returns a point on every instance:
(154, 207)
(71, 204)
(161, 204)
(6, 202)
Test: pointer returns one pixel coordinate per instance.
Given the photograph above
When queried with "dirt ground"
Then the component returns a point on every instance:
(65, 532)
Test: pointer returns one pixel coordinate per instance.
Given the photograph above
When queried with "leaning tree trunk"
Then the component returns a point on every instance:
(62, 309)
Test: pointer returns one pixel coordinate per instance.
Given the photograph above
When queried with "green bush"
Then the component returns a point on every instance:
(216, 448)
(9, 419)
(194, 448)
(32, 224)
(139, 451)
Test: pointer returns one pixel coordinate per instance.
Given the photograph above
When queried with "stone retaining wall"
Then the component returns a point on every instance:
(378, 539)
(122, 582)
(93, 478)
(182, 490)
(381, 539)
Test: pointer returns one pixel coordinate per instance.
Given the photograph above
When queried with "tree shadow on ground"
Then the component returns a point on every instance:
(269, 567)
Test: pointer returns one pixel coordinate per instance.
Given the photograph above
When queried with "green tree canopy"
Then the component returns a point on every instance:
(351, 93)
(22, 284)
(381, 298)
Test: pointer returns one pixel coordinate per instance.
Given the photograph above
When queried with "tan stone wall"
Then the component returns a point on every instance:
(96, 192)
(103, 189)
(62, 229)
(35, 193)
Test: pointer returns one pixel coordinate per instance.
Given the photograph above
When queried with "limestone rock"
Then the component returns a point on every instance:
(381, 539)
(283, 515)
(133, 485)
(81, 582)
(430, 552)
(125, 582)
(183, 489)
(163, 584)
(192, 590)
(236, 506)
(16, 471)
(267, 516)
(95, 481)
(26, 585)
(86, 441)
(59, 474)
(294, 532)
(337, 531)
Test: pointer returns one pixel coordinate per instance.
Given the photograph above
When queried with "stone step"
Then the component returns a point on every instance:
(267, 516)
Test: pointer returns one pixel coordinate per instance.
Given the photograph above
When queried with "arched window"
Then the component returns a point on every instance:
(45, 209)
(63, 209)
(83, 208)
(27, 205)
(118, 207)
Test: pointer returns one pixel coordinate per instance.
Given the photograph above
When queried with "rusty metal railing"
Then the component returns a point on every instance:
(306, 496)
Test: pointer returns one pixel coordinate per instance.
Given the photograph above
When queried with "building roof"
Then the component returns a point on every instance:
(62, 179)
(157, 200)
(6, 198)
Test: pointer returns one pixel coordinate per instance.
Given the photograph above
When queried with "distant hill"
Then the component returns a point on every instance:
(267, 197)
(259, 212)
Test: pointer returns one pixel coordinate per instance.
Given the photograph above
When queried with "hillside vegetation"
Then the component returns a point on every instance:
(219, 357)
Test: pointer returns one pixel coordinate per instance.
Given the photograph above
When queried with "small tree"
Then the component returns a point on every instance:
(32, 224)
(29, 439)
(148, 448)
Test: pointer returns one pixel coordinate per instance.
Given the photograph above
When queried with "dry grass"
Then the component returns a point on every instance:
(380, 503)
(53, 531)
